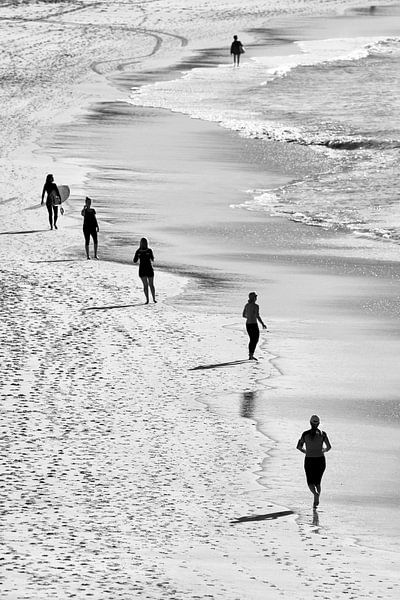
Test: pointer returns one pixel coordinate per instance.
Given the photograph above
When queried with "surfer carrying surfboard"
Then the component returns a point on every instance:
(90, 226)
(52, 201)
(236, 49)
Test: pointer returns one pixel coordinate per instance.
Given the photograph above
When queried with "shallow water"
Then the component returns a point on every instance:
(331, 86)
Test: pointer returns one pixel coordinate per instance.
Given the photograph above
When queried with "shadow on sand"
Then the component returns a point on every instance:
(56, 260)
(216, 365)
(22, 232)
(111, 307)
(267, 517)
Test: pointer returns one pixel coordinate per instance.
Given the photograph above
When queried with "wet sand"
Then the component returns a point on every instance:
(332, 315)
(127, 472)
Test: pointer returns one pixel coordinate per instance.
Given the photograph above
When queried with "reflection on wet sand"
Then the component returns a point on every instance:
(315, 520)
(248, 405)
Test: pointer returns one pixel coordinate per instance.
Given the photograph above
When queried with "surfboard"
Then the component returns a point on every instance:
(64, 193)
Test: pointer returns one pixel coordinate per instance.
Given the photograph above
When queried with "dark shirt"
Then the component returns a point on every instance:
(314, 443)
(89, 218)
(236, 47)
(52, 192)
(144, 257)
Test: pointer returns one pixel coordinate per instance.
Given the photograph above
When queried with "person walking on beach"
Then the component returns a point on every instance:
(145, 256)
(52, 201)
(236, 49)
(316, 443)
(251, 313)
(90, 226)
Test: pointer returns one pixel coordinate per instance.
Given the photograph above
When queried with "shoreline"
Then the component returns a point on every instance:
(157, 118)
(155, 477)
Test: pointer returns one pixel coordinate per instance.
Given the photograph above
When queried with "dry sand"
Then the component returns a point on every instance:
(127, 474)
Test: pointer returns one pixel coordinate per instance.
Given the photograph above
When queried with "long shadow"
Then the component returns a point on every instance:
(111, 307)
(216, 365)
(267, 517)
(56, 260)
(22, 232)
(34, 206)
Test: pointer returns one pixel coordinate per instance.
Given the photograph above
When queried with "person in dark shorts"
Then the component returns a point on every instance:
(90, 226)
(52, 200)
(236, 49)
(251, 313)
(145, 256)
(316, 443)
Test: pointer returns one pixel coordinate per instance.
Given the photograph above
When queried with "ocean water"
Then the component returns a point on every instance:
(334, 89)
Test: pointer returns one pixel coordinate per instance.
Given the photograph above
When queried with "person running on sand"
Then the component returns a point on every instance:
(251, 313)
(90, 226)
(236, 49)
(52, 201)
(316, 443)
(145, 256)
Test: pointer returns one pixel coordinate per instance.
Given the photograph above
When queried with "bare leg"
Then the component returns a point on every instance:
(316, 497)
(50, 211)
(152, 289)
(87, 251)
(145, 288)
(55, 209)
(315, 490)
(95, 249)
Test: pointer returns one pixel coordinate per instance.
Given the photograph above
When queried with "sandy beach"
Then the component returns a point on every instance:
(143, 454)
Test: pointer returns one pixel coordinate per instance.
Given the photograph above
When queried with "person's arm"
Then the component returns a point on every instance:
(83, 211)
(262, 322)
(136, 257)
(95, 220)
(260, 319)
(43, 193)
(327, 443)
(244, 313)
(151, 255)
(300, 445)
(56, 190)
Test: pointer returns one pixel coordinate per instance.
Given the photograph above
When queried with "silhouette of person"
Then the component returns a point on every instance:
(52, 201)
(236, 49)
(316, 443)
(145, 256)
(251, 313)
(90, 227)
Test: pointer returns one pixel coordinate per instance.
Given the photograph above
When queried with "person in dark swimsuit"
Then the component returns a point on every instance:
(145, 256)
(251, 313)
(316, 443)
(53, 196)
(236, 49)
(90, 226)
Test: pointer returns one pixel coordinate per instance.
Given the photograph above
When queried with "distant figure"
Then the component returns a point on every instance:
(90, 226)
(251, 313)
(52, 201)
(317, 443)
(145, 256)
(236, 49)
